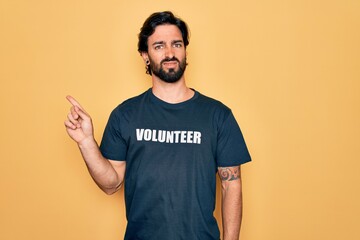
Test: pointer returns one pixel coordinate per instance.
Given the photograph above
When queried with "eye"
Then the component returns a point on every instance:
(158, 47)
(177, 45)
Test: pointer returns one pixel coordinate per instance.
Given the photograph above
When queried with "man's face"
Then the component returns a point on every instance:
(166, 52)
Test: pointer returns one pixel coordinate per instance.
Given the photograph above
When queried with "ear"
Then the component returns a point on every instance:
(145, 56)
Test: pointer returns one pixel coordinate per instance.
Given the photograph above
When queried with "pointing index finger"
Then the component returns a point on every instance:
(73, 102)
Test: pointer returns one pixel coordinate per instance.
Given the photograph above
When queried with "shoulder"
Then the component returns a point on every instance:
(216, 111)
(213, 104)
(130, 103)
(127, 107)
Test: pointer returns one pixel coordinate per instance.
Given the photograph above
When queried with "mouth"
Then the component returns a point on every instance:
(170, 64)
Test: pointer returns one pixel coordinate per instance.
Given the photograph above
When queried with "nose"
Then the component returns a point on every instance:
(169, 53)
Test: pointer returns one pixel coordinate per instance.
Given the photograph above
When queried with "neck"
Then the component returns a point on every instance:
(171, 92)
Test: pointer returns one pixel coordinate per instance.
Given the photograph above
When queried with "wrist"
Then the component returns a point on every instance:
(88, 142)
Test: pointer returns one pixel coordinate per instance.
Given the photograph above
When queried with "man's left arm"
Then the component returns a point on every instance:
(231, 201)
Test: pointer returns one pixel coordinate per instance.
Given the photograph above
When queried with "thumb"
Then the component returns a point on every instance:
(81, 113)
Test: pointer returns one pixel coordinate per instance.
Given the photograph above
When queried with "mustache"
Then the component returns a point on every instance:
(169, 60)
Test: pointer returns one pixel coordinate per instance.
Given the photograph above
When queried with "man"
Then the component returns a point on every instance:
(167, 145)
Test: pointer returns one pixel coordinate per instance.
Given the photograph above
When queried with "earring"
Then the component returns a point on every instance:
(147, 62)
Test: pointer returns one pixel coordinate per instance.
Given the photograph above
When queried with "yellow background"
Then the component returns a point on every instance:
(290, 71)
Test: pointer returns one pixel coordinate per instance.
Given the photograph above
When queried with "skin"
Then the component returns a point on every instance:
(165, 42)
(231, 203)
(107, 174)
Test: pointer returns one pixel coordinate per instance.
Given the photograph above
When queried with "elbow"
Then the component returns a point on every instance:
(110, 191)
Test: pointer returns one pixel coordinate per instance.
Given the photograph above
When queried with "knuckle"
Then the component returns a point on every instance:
(67, 124)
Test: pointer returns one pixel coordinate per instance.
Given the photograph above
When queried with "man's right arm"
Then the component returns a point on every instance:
(107, 174)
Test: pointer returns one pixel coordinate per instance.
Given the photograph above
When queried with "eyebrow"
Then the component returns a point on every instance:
(177, 41)
(156, 43)
(162, 42)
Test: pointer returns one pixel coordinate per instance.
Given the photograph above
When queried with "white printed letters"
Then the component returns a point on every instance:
(163, 136)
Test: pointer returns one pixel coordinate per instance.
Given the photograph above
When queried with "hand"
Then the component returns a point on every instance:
(78, 124)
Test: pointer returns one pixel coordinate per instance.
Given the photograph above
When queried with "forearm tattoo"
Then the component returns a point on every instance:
(229, 173)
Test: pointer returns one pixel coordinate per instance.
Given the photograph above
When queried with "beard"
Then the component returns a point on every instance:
(172, 75)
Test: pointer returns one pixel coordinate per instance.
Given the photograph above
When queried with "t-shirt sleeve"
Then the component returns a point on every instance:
(113, 146)
(231, 148)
